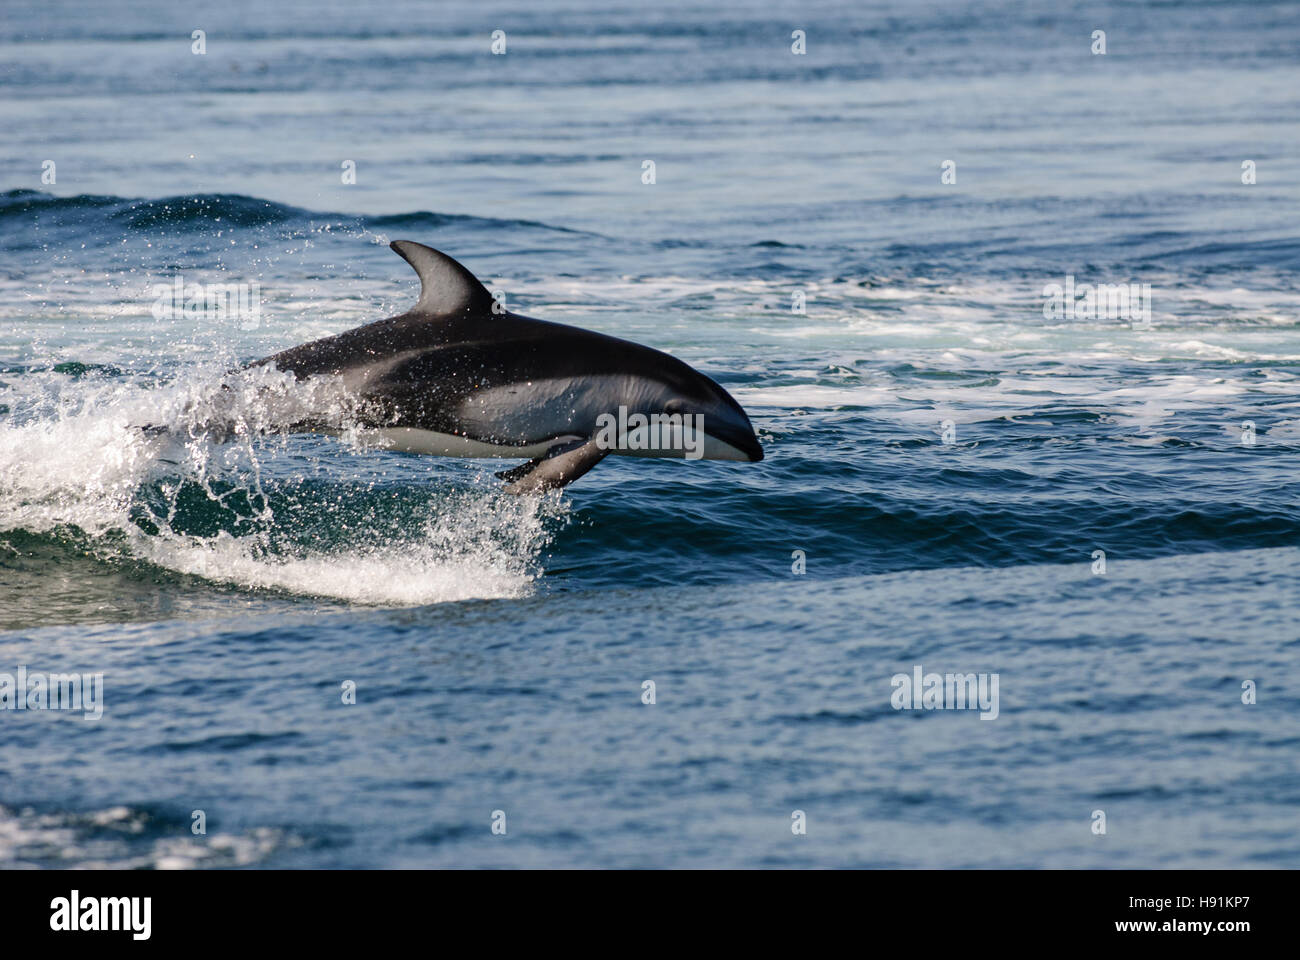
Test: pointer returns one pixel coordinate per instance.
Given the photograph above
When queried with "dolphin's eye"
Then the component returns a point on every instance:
(675, 405)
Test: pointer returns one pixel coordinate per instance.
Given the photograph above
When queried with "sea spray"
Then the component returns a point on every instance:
(212, 490)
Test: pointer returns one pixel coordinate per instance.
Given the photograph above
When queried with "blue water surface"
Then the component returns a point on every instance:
(1102, 512)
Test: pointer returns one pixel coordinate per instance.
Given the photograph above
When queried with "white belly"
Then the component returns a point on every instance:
(412, 440)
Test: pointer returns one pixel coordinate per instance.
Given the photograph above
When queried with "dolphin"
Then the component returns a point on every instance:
(459, 376)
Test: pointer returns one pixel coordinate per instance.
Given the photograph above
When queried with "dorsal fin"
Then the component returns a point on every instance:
(446, 287)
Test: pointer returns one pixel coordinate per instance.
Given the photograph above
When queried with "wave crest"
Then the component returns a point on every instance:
(259, 511)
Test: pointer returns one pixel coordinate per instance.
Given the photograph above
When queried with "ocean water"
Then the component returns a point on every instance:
(944, 460)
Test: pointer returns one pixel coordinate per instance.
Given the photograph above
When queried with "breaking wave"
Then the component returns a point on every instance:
(247, 507)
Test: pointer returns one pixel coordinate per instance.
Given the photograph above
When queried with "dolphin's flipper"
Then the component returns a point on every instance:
(524, 469)
(560, 466)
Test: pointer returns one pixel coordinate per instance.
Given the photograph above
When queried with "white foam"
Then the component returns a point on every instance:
(72, 455)
(112, 838)
(481, 548)
(986, 320)
(1138, 403)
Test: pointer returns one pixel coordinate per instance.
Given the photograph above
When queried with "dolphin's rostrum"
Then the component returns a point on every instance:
(455, 377)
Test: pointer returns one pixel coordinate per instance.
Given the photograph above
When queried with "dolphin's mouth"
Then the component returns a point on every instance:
(732, 442)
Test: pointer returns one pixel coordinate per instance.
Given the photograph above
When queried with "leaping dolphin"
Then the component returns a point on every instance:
(455, 377)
